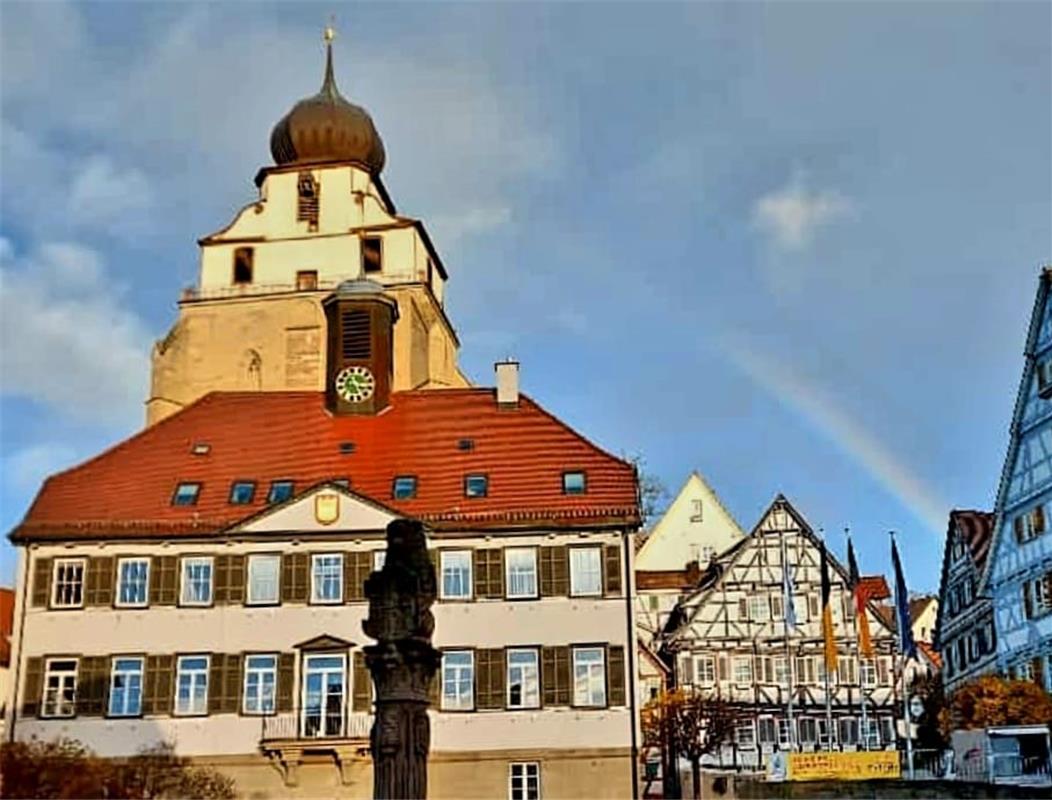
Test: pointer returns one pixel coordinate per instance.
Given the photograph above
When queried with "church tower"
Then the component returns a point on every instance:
(274, 282)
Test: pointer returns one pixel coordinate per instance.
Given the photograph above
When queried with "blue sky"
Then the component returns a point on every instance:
(793, 246)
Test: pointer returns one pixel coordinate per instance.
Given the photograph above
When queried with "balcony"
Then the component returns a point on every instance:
(286, 738)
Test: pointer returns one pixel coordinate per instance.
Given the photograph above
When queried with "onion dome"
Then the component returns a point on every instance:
(326, 128)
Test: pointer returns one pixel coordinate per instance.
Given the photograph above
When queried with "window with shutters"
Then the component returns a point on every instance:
(261, 678)
(523, 682)
(807, 731)
(767, 730)
(133, 582)
(186, 494)
(520, 565)
(191, 685)
(372, 254)
(458, 680)
(327, 578)
(847, 670)
(524, 780)
(456, 574)
(126, 687)
(197, 573)
(704, 670)
(280, 491)
(742, 669)
(745, 734)
(868, 671)
(586, 577)
(60, 688)
(589, 677)
(67, 583)
(308, 200)
(264, 576)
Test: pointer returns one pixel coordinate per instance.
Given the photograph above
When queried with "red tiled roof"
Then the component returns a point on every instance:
(931, 653)
(977, 529)
(266, 436)
(662, 579)
(875, 587)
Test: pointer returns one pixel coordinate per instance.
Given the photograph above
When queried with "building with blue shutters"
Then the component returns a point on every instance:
(1018, 575)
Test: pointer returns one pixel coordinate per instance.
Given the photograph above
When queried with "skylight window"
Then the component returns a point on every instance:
(186, 494)
(343, 483)
(466, 444)
(201, 449)
(242, 492)
(404, 487)
(476, 485)
(346, 448)
(574, 483)
(280, 491)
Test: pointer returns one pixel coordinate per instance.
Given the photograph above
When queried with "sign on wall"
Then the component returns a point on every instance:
(861, 766)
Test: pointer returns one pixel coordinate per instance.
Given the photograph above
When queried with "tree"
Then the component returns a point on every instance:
(652, 491)
(990, 701)
(65, 768)
(690, 725)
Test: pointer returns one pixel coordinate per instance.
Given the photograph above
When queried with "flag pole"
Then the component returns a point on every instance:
(786, 601)
(828, 660)
(858, 654)
(903, 619)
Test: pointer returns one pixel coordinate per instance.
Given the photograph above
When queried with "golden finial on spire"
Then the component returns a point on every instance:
(330, 30)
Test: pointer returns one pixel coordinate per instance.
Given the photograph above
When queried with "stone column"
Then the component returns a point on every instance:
(402, 662)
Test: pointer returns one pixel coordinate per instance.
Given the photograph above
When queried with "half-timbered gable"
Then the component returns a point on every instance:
(734, 642)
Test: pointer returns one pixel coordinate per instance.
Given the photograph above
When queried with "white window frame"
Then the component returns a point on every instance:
(509, 554)
(785, 733)
(852, 724)
(125, 672)
(526, 680)
(60, 564)
(522, 791)
(771, 725)
(260, 673)
(847, 670)
(809, 722)
(197, 677)
(870, 733)
(826, 733)
(258, 558)
(759, 607)
(700, 676)
(188, 561)
(782, 670)
(867, 670)
(747, 742)
(53, 704)
(458, 701)
(576, 590)
(121, 564)
(468, 556)
(315, 598)
(379, 559)
(594, 692)
(736, 672)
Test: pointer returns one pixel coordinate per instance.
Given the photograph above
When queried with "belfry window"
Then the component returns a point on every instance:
(308, 200)
(354, 334)
(243, 265)
(372, 254)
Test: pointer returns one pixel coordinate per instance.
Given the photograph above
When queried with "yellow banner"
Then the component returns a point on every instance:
(860, 766)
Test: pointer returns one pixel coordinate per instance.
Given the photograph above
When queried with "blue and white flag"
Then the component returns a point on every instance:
(902, 607)
(787, 590)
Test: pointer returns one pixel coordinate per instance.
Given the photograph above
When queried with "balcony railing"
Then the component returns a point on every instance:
(306, 726)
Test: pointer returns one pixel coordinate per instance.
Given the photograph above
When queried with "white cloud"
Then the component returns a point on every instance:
(103, 193)
(450, 229)
(25, 469)
(65, 339)
(792, 214)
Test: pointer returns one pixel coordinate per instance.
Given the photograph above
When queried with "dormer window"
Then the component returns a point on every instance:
(280, 491)
(476, 485)
(574, 483)
(242, 492)
(372, 254)
(186, 494)
(243, 258)
(404, 487)
(307, 200)
(306, 280)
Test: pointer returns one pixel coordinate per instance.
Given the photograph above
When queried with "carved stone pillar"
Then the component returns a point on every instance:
(402, 662)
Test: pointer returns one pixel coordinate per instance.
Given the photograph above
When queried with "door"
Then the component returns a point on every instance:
(324, 694)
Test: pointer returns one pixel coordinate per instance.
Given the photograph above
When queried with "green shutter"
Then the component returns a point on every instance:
(555, 675)
(158, 694)
(546, 568)
(98, 588)
(164, 580)
(216, 667)
(357, 566)
(615, 675)
(561, 571)
(93, 674)
(489, 573)
(286, 681)
(363, 684)
(33, 686)
(41, 582)
(612, 569)
(221, 580)
(489, 678)
(224, 683)
(295, 577)
(236, 580)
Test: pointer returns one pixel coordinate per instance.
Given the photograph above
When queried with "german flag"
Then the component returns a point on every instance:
(827, 616)
(858, 596)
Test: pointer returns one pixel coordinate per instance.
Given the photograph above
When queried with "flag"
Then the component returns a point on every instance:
(858, 595)
(902, 607)
(787, 602)
(827, 615)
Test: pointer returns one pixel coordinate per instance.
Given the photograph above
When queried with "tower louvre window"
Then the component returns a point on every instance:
(372, 254)
(307, 205)
(243, 257)
(355, 342)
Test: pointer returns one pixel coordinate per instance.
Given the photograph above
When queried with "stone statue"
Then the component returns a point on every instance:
(402, 662)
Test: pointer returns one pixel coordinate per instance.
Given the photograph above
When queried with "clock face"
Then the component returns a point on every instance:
(355, 384)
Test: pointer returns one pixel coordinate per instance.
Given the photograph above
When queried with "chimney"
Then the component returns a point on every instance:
(507, 383)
